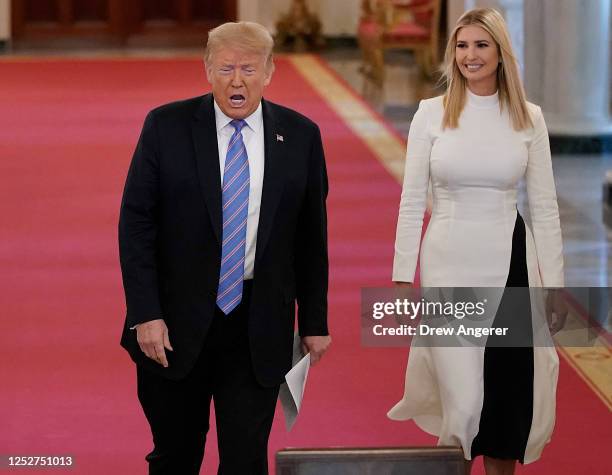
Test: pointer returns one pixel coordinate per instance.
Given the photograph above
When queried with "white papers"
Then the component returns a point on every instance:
(292, 391)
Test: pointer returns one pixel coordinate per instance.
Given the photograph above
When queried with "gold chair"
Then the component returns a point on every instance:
(396, 24)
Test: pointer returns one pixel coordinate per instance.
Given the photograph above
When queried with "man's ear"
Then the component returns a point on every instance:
(269, 73)
(208, 71)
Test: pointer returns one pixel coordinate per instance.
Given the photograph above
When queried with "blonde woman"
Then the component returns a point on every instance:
(476, 143)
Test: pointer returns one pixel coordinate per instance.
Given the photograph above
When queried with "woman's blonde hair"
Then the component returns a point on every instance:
(245, 35)
(509, 86)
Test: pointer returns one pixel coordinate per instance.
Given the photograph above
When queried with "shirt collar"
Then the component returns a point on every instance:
(253, 121)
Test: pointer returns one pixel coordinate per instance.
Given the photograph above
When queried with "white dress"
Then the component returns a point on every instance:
(475, 171)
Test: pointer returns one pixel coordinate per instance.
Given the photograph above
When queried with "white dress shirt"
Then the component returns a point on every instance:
(253, 137)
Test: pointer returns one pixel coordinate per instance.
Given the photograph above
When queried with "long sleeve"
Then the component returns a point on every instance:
(138, 230)
(543, 206)
(414, 197)
(311, 265)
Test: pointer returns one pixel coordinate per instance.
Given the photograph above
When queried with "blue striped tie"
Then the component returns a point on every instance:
(235, 201)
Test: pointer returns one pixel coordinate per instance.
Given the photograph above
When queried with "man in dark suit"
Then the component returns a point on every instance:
(222, 228)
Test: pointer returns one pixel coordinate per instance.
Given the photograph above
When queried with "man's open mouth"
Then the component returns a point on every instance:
(237, 100)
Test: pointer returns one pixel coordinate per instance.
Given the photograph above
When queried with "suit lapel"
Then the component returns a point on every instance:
(274, 147)
(204, 133)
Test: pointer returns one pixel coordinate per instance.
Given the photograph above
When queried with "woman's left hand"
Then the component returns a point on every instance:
(556, 311)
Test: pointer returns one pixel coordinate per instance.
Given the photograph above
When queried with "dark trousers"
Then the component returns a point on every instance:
(178, 411)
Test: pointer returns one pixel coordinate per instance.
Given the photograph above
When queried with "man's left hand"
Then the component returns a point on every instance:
(316, 346)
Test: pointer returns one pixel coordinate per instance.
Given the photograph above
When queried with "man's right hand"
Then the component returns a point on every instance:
(153, 339)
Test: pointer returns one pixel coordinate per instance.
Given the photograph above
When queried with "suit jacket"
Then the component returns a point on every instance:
(170, 236)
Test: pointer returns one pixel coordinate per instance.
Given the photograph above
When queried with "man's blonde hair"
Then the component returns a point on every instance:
(510, 88)
(245, 35)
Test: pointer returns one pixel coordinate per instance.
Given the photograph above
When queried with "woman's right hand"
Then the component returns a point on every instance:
(407, 285)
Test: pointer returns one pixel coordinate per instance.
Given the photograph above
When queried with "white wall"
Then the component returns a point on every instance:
(454, 9)
(247, 10)
(5, 19)
(339, 17)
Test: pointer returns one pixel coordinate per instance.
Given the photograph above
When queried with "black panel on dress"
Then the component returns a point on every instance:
(507, 411)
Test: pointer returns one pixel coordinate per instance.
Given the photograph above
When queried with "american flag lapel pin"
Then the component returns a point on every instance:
(279, 138)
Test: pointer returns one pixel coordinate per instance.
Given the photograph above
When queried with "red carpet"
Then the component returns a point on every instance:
(67, 131)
